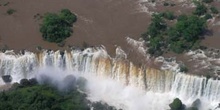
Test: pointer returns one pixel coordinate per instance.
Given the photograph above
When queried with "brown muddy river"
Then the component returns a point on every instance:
(100, 22)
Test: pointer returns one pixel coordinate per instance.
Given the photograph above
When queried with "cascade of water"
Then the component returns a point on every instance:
(19, 66)
(97, 62)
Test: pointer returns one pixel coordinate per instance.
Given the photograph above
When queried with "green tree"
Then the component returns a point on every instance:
(208, 16)
(177, 47)
(185, 34)
(173, 34)
(154, 34)
(214, 10)
(191, 27)
(200, 9)
(68, 16)
(156, 27)
(56, 28)
(10, 11)
(32, 96)
(176, 104)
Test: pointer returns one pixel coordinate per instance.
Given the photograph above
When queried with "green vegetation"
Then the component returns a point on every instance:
(183, 35)
(57, 27)
(166, 4)
(29, 95)
(183, 68)
(214, 10)
(10, 11)
(189, 28)
(154, 34)
(207, 1)
(208, 16)
(200, 9)
(176, 105)
(168, 15)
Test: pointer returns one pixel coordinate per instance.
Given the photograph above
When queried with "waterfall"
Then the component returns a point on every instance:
(97, 62)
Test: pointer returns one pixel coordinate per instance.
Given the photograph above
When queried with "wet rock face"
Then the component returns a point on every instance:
(7, 78)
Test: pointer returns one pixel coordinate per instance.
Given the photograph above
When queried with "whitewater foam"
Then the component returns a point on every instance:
(116, 80)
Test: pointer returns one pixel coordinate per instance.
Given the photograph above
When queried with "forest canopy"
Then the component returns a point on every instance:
(30, 95)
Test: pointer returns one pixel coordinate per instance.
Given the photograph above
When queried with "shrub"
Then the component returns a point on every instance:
(10, 11)
(214, 10)
(200, 9)
(57, 27)
(207, 1)
(157, 25)
(172, 4)
(33, 81)
(24, 82)
(183, 68)
(68, 16)
(177, 47)
(182, 17)
(208, 16)
(165, 4)
(168, 15)
(176, 105)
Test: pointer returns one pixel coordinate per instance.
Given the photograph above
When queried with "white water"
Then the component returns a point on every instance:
(116, 80)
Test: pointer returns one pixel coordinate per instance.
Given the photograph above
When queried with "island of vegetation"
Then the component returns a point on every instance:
(57, 27)
(185, 33)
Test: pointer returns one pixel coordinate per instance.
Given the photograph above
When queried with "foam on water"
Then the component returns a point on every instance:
(116, 80)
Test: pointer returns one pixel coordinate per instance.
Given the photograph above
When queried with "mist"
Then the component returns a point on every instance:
(107, 90)
(125, 97)
(60, 79)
